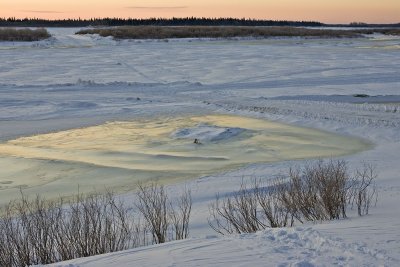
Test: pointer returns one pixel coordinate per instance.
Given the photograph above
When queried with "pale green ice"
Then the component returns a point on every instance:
(117, 155)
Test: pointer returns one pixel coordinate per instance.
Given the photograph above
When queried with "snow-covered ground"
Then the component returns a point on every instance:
(76, 81)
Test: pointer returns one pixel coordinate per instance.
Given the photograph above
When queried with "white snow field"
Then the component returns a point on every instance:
(70, 83)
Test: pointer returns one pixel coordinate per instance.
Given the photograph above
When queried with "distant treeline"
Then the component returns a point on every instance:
(365, 25)
(190, 21)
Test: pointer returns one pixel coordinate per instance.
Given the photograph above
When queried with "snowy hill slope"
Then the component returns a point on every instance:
(300, 247)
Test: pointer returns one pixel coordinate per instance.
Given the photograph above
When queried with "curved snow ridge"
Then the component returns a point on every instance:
(205, 132)
(339, 99)
(374, 115)
(187, 158)
(91, 83)
(211, 39)
(67, 39)
(78, 105)
(274, 247)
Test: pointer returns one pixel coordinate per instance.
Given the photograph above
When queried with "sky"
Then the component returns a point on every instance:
(329, 11)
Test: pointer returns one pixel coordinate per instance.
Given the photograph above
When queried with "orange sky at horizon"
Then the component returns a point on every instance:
(338, 11)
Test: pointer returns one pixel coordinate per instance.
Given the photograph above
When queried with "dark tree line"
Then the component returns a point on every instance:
(189, 21)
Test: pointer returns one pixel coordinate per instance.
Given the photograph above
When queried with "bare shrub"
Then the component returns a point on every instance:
(163, 32)
(96, 224)
(162, 218)
(364, 192)
(250, 209)
(270, 200)
(180, 216)
(317, 192)
(236, 214)
(153, 205)
(26, 229)
(40, 232)
(23, 35)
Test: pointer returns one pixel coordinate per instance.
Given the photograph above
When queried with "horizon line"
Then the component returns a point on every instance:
(192, 17)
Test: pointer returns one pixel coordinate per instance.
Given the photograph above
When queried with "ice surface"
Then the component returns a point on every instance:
(118, 155)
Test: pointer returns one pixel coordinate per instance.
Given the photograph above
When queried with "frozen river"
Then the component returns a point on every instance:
(70, 81)
(74, 109)
(74, 81)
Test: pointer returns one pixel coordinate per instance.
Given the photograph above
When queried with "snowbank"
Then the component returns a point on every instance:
(298, 247)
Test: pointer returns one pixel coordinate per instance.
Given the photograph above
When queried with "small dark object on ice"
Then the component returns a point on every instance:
(361, 95)
(197, 141)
